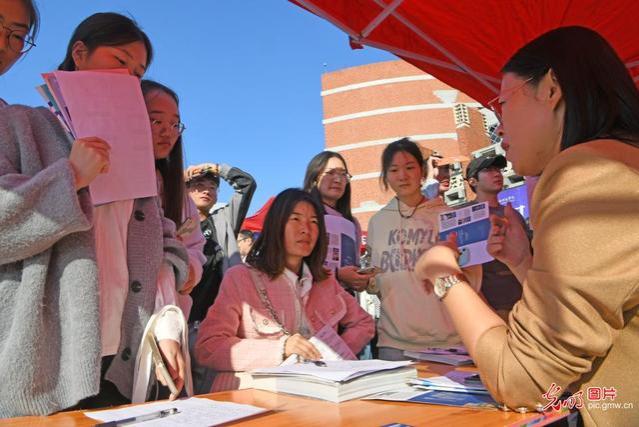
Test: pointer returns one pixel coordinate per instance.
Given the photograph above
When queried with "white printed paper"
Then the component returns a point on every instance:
(472, 225)
(338, 371)
(193, 412)
(330, 345)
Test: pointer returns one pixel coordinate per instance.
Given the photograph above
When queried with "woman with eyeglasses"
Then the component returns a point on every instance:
(139, 252)
(269, 308)
(79, 282)
(162, 103)
(328, 181)
(569, 113)
(410, 318)
(19, 23)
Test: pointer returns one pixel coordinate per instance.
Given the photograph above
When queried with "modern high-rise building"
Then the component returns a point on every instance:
(369, 106)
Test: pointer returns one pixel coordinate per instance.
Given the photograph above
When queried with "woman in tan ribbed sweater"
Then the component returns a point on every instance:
(569, 113)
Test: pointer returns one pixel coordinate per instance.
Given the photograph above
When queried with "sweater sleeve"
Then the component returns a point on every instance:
(244, 187)
(194, 240)
(37, 207)
(175, 253)
(218, 344)
(574, 303)
(357, 326)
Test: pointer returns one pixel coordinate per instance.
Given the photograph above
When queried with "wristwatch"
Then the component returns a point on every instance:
(443, 284)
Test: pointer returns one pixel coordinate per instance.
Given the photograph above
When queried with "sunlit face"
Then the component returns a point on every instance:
(332, 181)
(531, 125)
(132, 56)
(489, 180)
(404, 175)
(14, 16)
(203, 192)
(244, 244)
(301, 231)
(165, 120)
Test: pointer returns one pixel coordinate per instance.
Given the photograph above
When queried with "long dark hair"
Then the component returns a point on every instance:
(601, 99)
(106, 29)
(268, 252)
(172, 167)
(315, 167)
(404, 144)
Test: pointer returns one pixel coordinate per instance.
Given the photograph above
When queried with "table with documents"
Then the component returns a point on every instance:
(299, 411)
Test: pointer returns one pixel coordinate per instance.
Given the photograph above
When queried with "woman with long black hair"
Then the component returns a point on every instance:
(569, 113)
(328, 181)
(270, 307)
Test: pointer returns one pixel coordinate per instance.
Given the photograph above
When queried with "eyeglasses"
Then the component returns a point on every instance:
(176, 128)
(495, 103)
(18, 42)
(340, 174)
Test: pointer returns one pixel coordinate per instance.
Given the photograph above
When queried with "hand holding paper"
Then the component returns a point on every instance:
(438, 261)
(297, 344)
(330, 346)
(356, 278)
(108, 105)
(508, 241)
(89, 157)
(471, 225)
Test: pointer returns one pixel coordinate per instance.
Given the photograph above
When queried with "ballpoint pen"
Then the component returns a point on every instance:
(140, 418)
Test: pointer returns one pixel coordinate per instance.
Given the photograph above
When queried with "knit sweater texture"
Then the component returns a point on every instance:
(49, 324)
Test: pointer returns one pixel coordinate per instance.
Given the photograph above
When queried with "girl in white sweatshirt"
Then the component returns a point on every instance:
(411, 318)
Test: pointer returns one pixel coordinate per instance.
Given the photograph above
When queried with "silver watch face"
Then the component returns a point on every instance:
(440, 288)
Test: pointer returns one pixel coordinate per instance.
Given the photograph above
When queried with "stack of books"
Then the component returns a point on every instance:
(335, 381)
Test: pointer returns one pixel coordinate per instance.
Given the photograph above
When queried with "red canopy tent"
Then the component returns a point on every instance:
(255, 223)
(465, 43)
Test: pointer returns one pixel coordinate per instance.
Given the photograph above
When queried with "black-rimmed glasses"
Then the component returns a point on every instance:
(17, 41)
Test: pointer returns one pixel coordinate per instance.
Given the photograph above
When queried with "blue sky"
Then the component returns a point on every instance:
(248, 74)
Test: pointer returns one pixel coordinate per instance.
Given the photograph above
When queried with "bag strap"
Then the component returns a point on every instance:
(261, 292)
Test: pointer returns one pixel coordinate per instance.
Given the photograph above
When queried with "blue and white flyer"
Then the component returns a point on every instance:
(472, 225)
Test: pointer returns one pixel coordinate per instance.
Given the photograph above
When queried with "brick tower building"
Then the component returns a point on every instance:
(369, 106)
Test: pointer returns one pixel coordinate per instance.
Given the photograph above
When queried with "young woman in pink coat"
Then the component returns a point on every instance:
(268, 309)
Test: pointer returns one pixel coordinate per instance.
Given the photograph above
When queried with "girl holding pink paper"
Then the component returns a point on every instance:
(70, 331)
(137, 249)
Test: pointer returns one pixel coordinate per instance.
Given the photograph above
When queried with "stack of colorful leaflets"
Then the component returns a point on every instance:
(454, 381)
(451, 390)
(455, 356)
(335, 381)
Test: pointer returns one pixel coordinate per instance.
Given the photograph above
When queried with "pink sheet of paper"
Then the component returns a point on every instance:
(111, 106)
